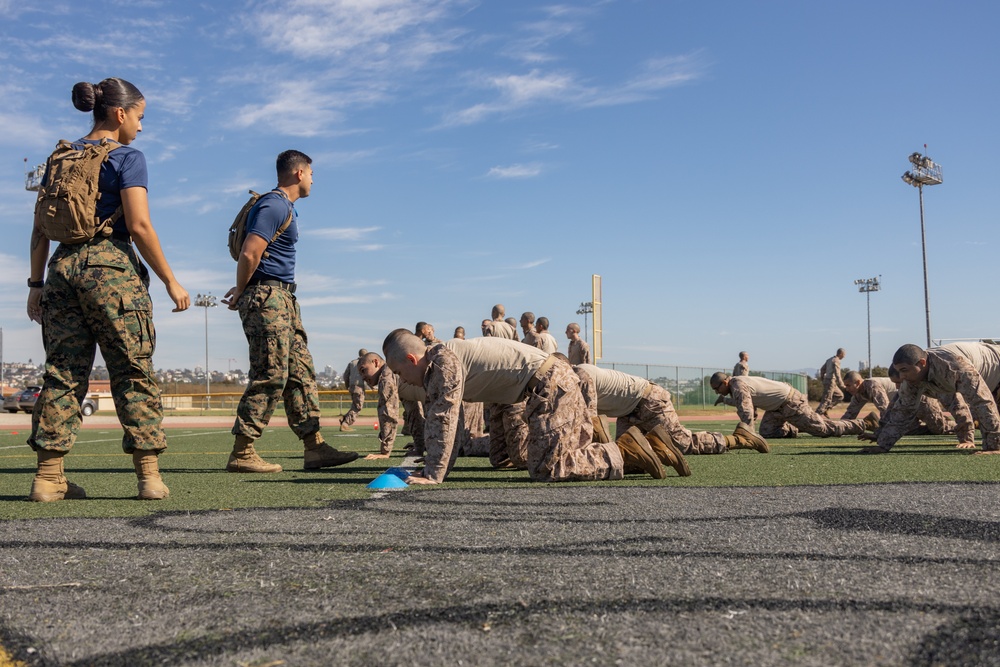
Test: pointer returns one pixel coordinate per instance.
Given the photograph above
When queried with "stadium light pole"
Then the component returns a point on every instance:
(924, 172)
(206, 301)
(586, 308)
(869, 285)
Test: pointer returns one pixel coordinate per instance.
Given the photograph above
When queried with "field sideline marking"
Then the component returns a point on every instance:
(89, 442)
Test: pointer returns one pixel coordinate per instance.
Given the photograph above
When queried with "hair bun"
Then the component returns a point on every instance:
(85, 96)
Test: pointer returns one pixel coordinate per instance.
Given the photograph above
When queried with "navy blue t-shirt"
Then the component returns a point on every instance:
(265, 217)
(125, 168)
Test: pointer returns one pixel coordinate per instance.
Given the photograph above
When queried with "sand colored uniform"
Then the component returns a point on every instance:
(635, 401)
(579, 352)
(878, 391)
(388, 409)
(930, 418)
(472, 439)
(949, 371)
(833, 385)
(500, 329)
(786, 410)
(547, 342)
(356, 387)
(560, 432)
(741, 368)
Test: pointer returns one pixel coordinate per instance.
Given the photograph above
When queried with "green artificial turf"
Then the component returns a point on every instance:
(194, 469)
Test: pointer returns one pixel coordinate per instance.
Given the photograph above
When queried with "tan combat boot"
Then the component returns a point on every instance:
(245, 458)
(319, 454)
(637, 455)
(602, 432)
(345, 428)
(147, 469)
(664, 448)
(50, 483)
(745, 438)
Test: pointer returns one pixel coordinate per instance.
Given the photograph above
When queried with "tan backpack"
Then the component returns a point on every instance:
(66, 208)
(238, 230)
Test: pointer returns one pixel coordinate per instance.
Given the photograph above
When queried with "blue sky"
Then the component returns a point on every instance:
(729, 168)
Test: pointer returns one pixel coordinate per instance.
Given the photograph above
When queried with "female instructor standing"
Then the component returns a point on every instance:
(95, 293)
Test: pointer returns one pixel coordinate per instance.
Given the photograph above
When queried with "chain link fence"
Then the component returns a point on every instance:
(688, 385)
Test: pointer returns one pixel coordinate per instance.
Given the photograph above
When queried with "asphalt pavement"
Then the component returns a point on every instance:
(898, 574)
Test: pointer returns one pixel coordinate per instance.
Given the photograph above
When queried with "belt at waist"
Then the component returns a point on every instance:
(272, 283)
(546, 365)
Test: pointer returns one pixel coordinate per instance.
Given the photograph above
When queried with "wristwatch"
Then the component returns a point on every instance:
(36, 283)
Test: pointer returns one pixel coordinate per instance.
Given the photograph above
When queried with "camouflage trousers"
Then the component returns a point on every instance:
(831, 396)
(470, 439)
(508, 436)
(388, 415)
(795, 415)
(357, 402)
(281, 366)
(656, 409)
(95, 295)
(413, 423)
(560, 432)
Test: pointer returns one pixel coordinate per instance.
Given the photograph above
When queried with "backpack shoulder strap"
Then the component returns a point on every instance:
(288, 221)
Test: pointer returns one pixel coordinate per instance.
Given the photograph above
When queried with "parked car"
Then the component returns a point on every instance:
(28, 398)
(10, 401)
(88, 406)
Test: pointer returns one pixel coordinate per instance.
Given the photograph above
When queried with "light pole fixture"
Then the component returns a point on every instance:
(869, 285)
(206, 301)
(924, 172)
(585, 309)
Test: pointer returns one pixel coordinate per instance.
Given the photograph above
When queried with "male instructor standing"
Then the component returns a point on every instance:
(280, 363)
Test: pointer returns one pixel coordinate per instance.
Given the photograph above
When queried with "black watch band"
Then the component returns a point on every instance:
(36, 283)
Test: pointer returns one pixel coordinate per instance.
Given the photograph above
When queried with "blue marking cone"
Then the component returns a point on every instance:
(387, 481)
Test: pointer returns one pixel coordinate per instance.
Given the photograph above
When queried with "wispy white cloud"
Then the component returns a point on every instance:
(373, 34)
(516, 93)
(656, 75)
(341, 233)
(343, 299)
(531, 265)
(515, 171)
(534, 43)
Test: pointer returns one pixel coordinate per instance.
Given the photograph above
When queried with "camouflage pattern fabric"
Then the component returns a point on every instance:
(873, 390)
(833, 385)
(508, 436)
(470, 430)
(280, 364)
(947, 373)
(795, 415)
(388, 409)
(413, 422)
(96, 294)
(931, 414)
(741, 368)
(657, 409)
(560, 432)
(930, 419)
(443, 384)
(357, 402)
(475, 446)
